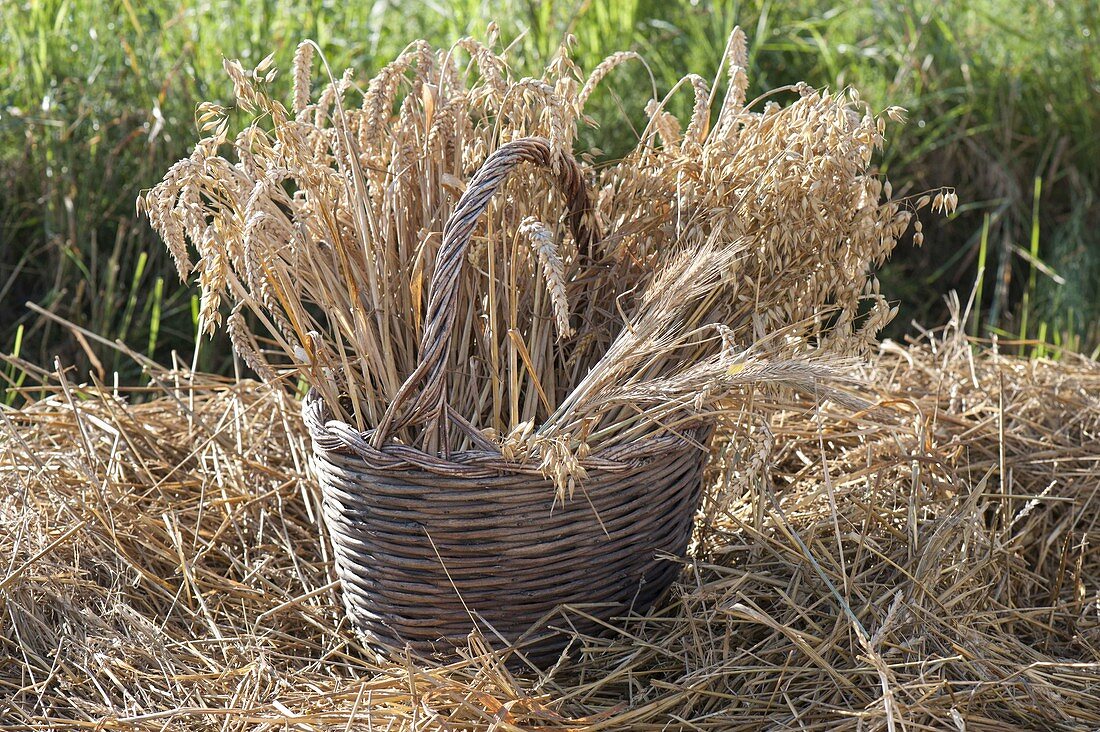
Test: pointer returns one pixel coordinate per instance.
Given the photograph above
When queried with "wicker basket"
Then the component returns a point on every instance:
(430, 547)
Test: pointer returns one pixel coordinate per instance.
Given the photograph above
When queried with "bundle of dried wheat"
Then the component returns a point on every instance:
(726, 255)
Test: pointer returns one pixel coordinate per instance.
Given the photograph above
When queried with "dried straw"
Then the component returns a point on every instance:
(929, 563)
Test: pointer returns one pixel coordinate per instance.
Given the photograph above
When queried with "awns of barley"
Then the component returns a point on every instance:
(750, 241)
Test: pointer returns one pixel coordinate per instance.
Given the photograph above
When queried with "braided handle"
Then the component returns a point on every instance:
(430, 403)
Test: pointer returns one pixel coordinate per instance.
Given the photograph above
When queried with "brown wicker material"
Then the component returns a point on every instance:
(431, 546)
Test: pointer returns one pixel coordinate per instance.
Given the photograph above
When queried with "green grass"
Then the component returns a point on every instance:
(98, 97)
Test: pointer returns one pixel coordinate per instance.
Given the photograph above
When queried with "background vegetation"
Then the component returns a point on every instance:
(98, 97)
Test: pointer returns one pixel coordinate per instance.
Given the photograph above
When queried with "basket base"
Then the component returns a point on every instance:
(543, 644)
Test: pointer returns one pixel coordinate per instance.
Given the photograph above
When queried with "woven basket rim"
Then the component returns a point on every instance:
(332, 434)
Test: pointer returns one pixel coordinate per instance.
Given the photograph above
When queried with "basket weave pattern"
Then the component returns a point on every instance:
(426, 554)
(431, 546)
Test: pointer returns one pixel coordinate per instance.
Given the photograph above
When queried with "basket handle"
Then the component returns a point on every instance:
(430, 404)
